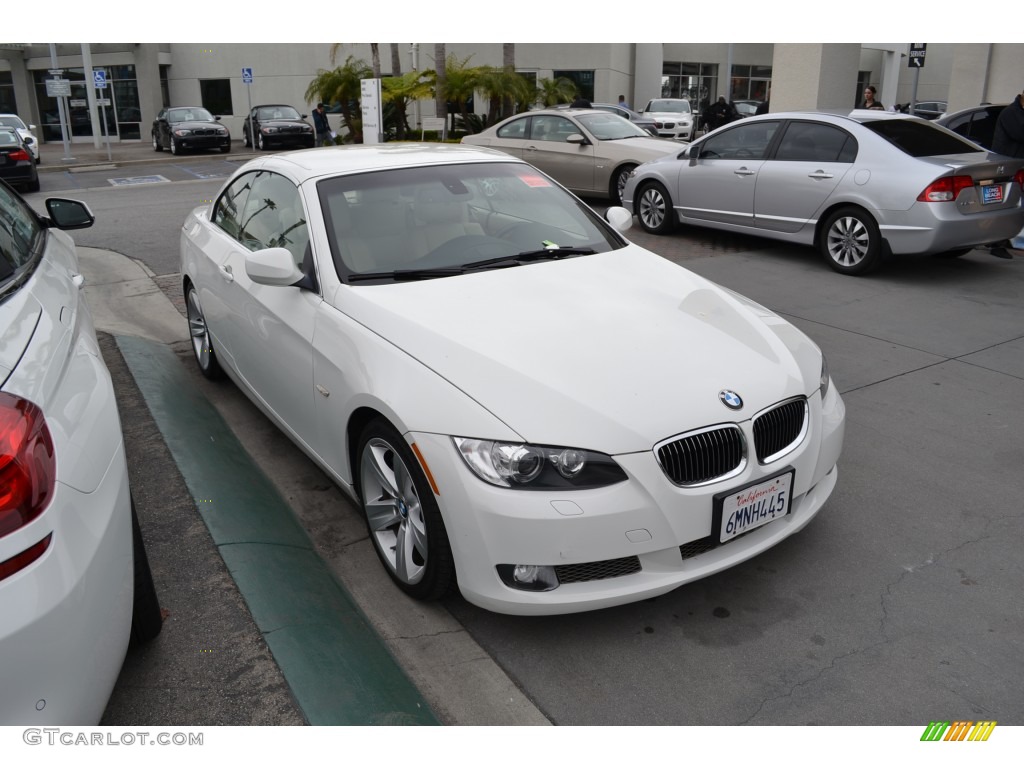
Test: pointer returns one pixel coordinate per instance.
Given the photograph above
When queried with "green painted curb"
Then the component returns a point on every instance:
(338, 668)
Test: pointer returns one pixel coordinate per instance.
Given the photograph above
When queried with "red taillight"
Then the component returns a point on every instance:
(19, 154)
(1019, 177)
(28, 469)
(945, 189)
(25, 559)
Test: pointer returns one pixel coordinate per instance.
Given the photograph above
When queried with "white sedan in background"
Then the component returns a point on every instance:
(526, 406)
(75, 585)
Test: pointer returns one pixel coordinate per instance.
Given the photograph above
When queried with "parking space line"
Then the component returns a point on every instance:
(338, 668)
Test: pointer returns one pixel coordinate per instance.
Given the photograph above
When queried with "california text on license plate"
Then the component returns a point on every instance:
(991, 193)
(744, 509)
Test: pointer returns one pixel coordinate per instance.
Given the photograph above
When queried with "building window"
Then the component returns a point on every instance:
(8, 105)
(693, 81)
(165, 91)
(583, 78)
(750, 82)
(216, 96)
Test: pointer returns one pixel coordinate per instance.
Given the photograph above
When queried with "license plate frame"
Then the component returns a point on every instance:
(991, 193)
(761, 493)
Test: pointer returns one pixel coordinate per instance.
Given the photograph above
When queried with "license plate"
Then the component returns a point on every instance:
(744, 509)
(992, 193)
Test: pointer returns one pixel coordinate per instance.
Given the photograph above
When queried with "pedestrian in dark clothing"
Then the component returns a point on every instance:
(869, 99)
(762, 108)
(720, 113)
(1009, 135)
(581, 102)
(324, 134)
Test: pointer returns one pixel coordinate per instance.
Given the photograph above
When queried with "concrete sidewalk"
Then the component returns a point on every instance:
(85, 155)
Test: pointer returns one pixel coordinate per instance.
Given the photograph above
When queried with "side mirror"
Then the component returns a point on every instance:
(31, 127)
(272, 266)
(576, 138)
(68, 214)
(620, 218)
(216, 117)
(693, 152)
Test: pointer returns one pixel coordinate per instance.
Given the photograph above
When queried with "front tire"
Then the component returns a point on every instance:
(202, 344)
(402, 515)
(175, 149)
(618, 183)
(260, 143)
(851, 242)
(654, 209)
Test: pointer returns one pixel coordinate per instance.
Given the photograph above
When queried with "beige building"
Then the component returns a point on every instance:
(142, 78)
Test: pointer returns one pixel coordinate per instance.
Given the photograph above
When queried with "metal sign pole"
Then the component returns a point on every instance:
(61, 105)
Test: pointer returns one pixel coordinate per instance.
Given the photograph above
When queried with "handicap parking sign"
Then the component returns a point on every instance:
(247, 75)
(99, 78)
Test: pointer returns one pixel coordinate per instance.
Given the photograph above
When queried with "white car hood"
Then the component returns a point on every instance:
(612, 352)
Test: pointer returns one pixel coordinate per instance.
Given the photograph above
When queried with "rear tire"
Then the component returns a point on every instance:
(618, 183)
(850, 241)
(157, 147)
(147, 620)
(653, 208)
(33, 186)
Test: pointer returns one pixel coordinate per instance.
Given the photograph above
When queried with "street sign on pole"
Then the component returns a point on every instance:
(99, 78)
(247, 79)
(916, 58)
(57, 88)
(247, 75)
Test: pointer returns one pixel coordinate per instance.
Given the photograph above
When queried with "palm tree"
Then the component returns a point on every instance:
(396, 61)
(375, 58)
(461, 81)
(400, 92)
(551, 92)
(343, 86)
(504, 88)
(508, 63)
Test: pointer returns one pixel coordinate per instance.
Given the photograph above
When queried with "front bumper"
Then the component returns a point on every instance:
(645, 517)
(203, 142)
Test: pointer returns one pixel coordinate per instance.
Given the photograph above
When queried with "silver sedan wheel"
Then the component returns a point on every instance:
(394, 511)
(654, 209)
(848, 241)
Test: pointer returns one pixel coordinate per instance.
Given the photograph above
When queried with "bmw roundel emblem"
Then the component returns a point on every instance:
(730, 399)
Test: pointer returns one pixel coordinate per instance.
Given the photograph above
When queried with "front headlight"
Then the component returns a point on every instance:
(182, 132)
(538, 467)
(268, 129)
(825, 380)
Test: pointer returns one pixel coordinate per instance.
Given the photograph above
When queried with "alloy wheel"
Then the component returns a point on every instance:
(848, 241)
(652, 208)
(394, 512)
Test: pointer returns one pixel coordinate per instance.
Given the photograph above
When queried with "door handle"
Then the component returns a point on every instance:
(744, 172)
(820, 175)
(226, 273)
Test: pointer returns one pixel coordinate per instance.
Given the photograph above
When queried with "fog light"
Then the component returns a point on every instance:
(530, 578)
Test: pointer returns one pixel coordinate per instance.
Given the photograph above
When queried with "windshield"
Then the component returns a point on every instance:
(669, 105)
(19, 233)
(278, 113)
(187, 115)
(610, 127)
(920, 139)
(438, 220)
(9, 138)
(13, 121)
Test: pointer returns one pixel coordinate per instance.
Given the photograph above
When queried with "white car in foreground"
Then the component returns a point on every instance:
(524, 404)
(75, 585)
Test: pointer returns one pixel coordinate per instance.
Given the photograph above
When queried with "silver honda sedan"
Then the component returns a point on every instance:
(855, 186)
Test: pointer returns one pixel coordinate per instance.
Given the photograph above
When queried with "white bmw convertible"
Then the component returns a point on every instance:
(527, 407)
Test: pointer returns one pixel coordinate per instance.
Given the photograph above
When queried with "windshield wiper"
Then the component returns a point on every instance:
(400, 275)
(526, 257)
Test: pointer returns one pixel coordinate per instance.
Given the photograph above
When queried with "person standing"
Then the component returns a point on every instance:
(1009, 134)
(623, 103)
(869, 99)
(581, 102)
(324, 134)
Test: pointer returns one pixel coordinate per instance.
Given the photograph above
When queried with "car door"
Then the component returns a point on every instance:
(511, 137)
(804, 169)
(270, 328)
(160, 126)
(571, 164)
(719, 184)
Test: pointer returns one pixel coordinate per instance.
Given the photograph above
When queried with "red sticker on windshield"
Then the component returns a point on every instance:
(532, 180)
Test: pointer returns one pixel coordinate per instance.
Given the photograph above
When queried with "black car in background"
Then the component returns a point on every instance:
(17, 165)
(975, 123)
(277, 125)
(181, 129)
